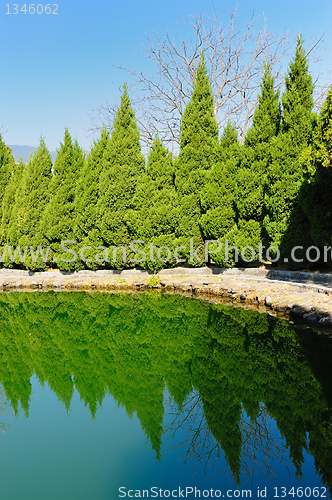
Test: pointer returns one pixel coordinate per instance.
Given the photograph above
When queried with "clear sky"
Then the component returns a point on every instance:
(56, 68)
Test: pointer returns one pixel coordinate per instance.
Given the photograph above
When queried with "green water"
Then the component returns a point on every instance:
(106, 391)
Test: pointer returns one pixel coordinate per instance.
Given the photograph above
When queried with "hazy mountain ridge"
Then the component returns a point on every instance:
(25, 151)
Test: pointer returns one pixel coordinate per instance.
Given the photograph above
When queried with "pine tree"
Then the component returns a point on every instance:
(87, 219)
(123, 165)
(198, 154)
(59, 216)
(153, 219)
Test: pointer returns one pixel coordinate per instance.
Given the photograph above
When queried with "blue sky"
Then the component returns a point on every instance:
(57, 68)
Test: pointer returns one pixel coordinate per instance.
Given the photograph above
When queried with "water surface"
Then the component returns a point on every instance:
(106, 391)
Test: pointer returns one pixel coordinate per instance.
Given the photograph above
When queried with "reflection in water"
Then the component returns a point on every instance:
(262, 448)
(228, 372)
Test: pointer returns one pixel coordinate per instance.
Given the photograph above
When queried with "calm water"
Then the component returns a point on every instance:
(100, 392)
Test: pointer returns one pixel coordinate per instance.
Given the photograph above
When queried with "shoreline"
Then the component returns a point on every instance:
(296, 296)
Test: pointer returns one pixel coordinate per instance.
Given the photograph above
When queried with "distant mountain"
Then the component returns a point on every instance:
(24, 152)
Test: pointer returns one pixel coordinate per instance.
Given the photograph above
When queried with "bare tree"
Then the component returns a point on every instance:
(234, 56)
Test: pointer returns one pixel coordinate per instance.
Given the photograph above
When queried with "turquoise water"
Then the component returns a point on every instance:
(101, 392)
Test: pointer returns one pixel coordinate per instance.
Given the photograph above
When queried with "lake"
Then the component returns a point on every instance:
(149, 395)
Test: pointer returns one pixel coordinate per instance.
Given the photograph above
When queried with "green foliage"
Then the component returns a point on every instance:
(274, 190)
(58, 217)
(11, 198)
(297, 100)
(315, 195)
(86, 226)
(122, 168)
(24, 228)
(287, 169)
(7, 164)
(154, 281)
(267, 115)
(153, 218)
(198, 154)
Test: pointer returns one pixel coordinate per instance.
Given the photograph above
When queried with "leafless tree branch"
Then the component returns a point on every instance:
(234, 55)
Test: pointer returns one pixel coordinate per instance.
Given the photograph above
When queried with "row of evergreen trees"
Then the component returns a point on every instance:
(274, 190)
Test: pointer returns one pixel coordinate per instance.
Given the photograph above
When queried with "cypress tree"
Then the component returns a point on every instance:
(7, 164)
(253, 166)
(59, 216)
(287, 170)
(198, 153)
(297, 100)
(153, 219)
(123, 165)
(11, 196)
(316, 192)
(24, 228)
(87, 219)
(217, 196)
(267, 115)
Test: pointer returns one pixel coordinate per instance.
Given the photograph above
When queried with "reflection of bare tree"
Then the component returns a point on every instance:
(235, 55)
(263, 449)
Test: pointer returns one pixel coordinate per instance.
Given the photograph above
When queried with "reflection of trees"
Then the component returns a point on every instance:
(262, 445)
(244, 367)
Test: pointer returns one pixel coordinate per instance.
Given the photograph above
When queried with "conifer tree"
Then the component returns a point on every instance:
(27, 211)
(123, 165)
(297, 100)
(254, 164)
(217, 197)
(86, 228)
(287, 169)
(10, 198)
(267, 115)
(153, 219)
(59, 216)
(7, 164)
(316, 192)
(198, 154)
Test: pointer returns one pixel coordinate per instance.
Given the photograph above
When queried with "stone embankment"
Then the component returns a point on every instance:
(297, 295)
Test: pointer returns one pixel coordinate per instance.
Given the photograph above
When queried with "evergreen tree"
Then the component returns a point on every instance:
(198, 154)
(217, 197)
(59, 216)
(11, 196)
(297, 100)
(123, 165)
(153, 219)
(24, 227)
(252, 171)
(87, 219)
(287, 169)
(7, 164)
(267, 115)
(316, 192)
